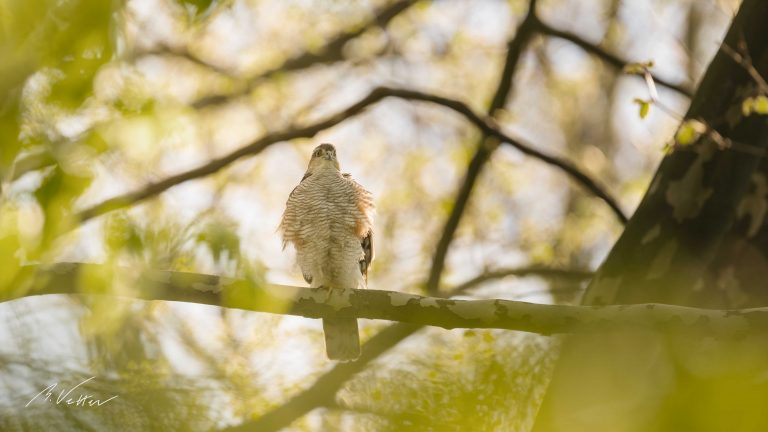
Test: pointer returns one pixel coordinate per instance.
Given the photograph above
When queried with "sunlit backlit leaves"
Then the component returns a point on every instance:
(755, 105)
(644, 106)
(689, 131)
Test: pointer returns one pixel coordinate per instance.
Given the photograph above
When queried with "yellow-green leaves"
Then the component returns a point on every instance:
(645, 106)
(689, 131)
(56, 195)
(9, 247)
(197, 9)
(220, 238)
(755, 105)
(78, 48)
(51, 50)
(638, 68)
(123, 234)
(643, 69)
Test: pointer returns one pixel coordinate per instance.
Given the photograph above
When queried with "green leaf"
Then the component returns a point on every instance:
(56, 194)
(689, 132)
(755, 105)
(644, 110)
(761, 105)
(196, 8)
(638, 68)
(121, 233)
(10, 243)
(645, 106)
(220, 237)
(79, 49)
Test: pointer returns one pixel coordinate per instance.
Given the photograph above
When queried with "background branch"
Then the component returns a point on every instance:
(575, 276)
(515, 49)
(605, 56)
(483, 123)
(331, 52)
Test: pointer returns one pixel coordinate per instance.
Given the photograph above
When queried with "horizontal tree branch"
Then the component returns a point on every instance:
(397, 306)
(485, 124)
(605, 56)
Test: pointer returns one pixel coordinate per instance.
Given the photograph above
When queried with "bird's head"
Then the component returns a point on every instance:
(324, 155)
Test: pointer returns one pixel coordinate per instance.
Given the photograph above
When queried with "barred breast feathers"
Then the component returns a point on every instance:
(327, 217)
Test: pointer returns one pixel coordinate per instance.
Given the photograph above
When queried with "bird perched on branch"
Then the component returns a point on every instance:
(329, 220)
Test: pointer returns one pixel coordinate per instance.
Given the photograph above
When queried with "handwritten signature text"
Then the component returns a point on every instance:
(82, 399)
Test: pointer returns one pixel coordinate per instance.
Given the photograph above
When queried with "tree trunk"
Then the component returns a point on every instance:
(698, 238)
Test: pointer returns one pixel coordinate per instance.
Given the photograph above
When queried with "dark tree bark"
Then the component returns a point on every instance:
(698, 238)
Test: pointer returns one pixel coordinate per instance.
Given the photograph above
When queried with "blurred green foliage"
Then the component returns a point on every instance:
(89, 85)
(484, 380)
(71, 39)
(197, 8)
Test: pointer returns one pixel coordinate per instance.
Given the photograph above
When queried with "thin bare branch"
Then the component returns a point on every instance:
(743, 58)
(572, 275)
(515, 49)
(180, 52)
(610, 59)
(483, 123)
(331, 52)
(217, 164)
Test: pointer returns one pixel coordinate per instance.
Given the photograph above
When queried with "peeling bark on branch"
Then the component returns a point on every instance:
(401, 307)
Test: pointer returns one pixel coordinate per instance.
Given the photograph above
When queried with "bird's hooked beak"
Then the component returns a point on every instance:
(327, 155)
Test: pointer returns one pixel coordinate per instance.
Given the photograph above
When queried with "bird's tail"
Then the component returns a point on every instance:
(342, 341)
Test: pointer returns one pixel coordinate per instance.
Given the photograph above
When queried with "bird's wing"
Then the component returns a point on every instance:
(365, 204)
(365, 263)
(289, 215)
(306, 176)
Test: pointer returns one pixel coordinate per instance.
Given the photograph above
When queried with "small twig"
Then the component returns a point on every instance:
(182, 52)
(651, 85)
(536, 271)
(654, 94)
(743, 58)
(605, 56)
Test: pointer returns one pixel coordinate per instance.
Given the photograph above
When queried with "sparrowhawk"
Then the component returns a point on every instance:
(329, 220)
